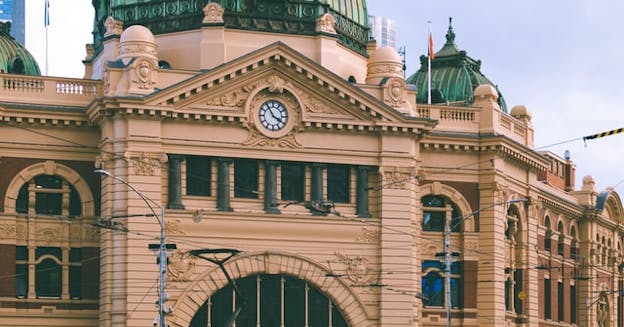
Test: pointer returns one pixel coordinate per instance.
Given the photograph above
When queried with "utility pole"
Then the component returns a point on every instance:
(161, 247)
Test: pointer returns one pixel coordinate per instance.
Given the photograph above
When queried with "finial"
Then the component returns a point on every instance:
(450, 35)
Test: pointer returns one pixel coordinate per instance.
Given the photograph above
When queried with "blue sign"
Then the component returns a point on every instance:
(6, 9)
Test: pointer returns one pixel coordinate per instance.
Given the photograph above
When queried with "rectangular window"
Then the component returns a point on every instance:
(21, 280)
(547, 295)
(293, 176)
(198, 175)
(560, 310)
(75, 282)
(246, 178)
(339, 183)
(573, 304)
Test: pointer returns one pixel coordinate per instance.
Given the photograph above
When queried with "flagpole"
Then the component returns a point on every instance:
(46, 22)
(429, 50)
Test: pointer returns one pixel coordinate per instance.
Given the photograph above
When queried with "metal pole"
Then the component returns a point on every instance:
(162, 263)
(447, 266)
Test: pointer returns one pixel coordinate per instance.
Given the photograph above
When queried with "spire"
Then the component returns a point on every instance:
(450, 34)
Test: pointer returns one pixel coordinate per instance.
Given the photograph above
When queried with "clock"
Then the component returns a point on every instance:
(273, 115)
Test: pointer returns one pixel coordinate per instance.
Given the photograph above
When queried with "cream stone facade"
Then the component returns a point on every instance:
(309, 162)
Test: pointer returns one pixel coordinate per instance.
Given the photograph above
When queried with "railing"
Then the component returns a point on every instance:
(470, 120)
(48, 90)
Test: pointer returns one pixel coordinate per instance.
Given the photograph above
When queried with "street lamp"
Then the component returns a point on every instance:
(162, 247)
(447, 251)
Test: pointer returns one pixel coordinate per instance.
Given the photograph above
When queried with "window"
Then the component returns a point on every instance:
(292, 177)
(573, 304)
(50, 192)
(433, 284)
(282, 298)
(198, 175)
(434, 214)
(339, 183)
(547, 297)
(246, 178)
(560, 306)
(48, 283)
(561, 240)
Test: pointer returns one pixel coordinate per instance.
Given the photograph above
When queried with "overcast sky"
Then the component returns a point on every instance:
(559, 58)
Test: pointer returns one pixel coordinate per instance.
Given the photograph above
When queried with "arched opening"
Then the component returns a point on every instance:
(435, 214)
(269, 300)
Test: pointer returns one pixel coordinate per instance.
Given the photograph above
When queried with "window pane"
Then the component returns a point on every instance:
(21, 253)
(21, 205)
(247, 287)
(338, 183)
(198, 175)
(246, 178)
(48, 279)
(270, 300)
(49, 204)
(75, 255)
(41, 251)
(292, 181)
(221, 309)
(21, 280)
(75, 282)
(319, 308)
(433, 221)
(294, 302)
(433, 289)
(75, 206)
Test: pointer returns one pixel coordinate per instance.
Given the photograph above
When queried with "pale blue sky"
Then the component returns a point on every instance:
(560, 58)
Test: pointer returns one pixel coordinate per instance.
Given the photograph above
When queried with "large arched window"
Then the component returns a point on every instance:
(434, 213)
(48, 272)
(52, 196)
(270, 300)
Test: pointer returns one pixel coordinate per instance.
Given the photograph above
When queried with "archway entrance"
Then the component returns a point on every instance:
(270, 300)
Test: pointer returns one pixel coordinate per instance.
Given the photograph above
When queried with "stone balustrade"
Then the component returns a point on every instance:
(55, 90)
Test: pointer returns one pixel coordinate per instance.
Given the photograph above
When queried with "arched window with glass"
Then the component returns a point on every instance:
(435, 213)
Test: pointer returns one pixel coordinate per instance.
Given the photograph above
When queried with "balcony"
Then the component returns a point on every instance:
(48, 90)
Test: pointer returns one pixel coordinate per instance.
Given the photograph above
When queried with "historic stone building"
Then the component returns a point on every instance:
(285, 147)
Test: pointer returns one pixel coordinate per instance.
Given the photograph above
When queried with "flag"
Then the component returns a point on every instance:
(46, 13)
(431, 51)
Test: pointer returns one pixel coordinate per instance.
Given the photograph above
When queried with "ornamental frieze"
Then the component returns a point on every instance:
(172, 227)
(370, 236)
(397, 177)
(234, 99)
(8, 231)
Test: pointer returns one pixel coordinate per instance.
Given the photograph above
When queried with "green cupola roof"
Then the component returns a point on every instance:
(276, 16)
(14, 58)
(454, 75)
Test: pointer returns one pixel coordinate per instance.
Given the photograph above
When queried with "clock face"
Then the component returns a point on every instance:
(273, 115)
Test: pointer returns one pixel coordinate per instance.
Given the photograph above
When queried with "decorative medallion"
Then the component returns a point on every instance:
(113, 26)
(20, 231)
(181, 266)
(143, 72)
(213, 13)
(357, 269)
(395, 93)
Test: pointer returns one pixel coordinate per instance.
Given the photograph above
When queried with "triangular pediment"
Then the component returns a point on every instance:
(322, 98)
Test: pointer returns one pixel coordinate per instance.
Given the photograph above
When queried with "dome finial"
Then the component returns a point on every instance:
(450, 34)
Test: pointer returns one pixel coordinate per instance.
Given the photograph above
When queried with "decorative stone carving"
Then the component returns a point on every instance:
(113, 26)
(213, 13)
(396, 178)
(395, 95)
(145, 164)
(100, 161)
(357, 269)
(325, 24)
(144, 73)
(8, 231)
(48, 234)
(90, 233)
(21, 231)
(181, 266)
(430, 248)
(276, 84)
(368, 236)
(172, 227)
(235, 98)
(258, 139)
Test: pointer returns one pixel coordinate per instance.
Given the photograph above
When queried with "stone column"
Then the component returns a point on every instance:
(175, 182)
(223, 184)
(361, 194)
(316, 192)
(270, 187)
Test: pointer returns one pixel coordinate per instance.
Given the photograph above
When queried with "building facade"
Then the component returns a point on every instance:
(383, 30)
(300, 176)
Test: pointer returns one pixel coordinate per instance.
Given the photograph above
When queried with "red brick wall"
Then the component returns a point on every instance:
(7, 269)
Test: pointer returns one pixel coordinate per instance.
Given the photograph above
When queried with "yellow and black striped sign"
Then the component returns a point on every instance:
(603, 134)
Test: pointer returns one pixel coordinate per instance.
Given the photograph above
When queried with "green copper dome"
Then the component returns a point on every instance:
(454, 76)
(276, 16)
(14, 58)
